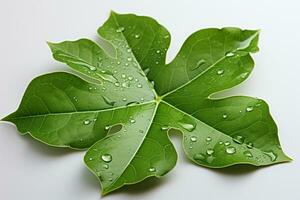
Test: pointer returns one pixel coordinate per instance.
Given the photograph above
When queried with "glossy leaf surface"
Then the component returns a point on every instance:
(131, 101)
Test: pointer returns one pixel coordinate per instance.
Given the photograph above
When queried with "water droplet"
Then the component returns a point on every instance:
(250, 145)
(105, 166)
(129, 59)
(229, 54)
(220, 142)
(129, 50)
(164, 128)
(108, 101)
(139, 85)
(249, 108)
(230, 150)
(123, 76)
(90, 158)
(146, 71)
(199, 156)
(86, 122)
(220, 71)
(199, 64)
(142, 99)
(106, 158)
(118, 62)
(124, 99)
(227, 143)
(166, 36)
(137, 36)
(187, 125)
(208, 139)
(130, 78)
(209, 151)
(156, 62)
(248, 154)
(271, 155)
(238, 139)
(224, 116)
(107, 127)
(132, 121)
(120, 29)
(152, 169)
(158, 51)
(193, 139)
(117, 84)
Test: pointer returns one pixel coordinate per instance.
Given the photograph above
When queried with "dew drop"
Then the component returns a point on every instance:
(129, 50)
(124, 99)
(105, 166)
(90, 159)
(123, 76)
(209, 152)
(224, 116)
(220, 71)
(158, 51)
(220, 142)
(132, 121)
(271, 155)
(120, 29)
(227, 143)
(152, 169)
(107, 127)
(238, 139)
(230, 150)
(117, 84)
(248, 154)
(130, 78)
(108, 101)
(187, 125)
(199, 156)
(249, 109)
(86, 122)
(137, 36)
(249, 145)
(164, 128)
(229, 54)
(106, 158)
(129, 59)
(193, 139)
(208, 139)
(199, 64)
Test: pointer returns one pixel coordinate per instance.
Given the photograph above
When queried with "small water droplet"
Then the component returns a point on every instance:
(120, 29)
(139, 85)
(129, 59)
(86, 122)
(227, 143)
(209, 151)
(187, 125)
(230, 150)
(156, 62)
(249, 108)
(220, 71)
(224, 116)
(250, 145)
(229, 54)
(199, 156)
(90, 158)
(105, 166)
(124, 99)
(271, 155)
(108, 101)
(106, 158)
(248, 154)
(117, 84)
(220, 142)
(193, 139)
(152, 169)
(118, 62)
(129, 50)
(137, 36)
(238, 139)
(130, 78)
(132, 121)
(199, 64)
(164, 128)
(158, 51)
(208, 139)
(107, 127)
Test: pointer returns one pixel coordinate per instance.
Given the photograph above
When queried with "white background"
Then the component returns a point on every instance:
(32, 171)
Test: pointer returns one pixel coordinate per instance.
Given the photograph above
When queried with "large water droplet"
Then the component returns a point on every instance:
(230, 150)
(108, 101)
(238, 139)
(193, 139)
(271, 155)
(187, 125)
(106, 158)
(199, 64)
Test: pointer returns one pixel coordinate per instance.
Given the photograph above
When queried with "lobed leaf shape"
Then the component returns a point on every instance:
(131, 101)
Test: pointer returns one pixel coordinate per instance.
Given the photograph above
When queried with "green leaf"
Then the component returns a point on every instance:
(131, 101)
